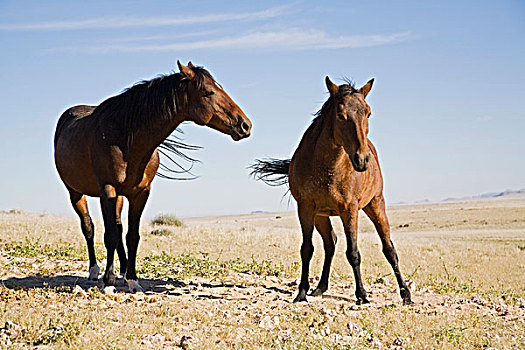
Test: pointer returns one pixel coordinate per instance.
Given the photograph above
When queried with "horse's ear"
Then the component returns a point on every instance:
(332, 88)
(185, 71)
(367, 87)
(190, 65)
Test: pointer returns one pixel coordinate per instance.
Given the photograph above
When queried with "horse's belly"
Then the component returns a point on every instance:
(331, 198)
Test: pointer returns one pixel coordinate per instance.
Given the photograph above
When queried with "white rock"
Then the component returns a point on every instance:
(268, 322)
(79, 290)
(109, 290)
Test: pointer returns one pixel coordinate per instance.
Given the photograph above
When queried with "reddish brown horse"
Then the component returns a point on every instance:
(110, 151)
(335, 172)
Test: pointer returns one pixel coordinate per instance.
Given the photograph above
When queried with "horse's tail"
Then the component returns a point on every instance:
(172, 169)
(271, 171)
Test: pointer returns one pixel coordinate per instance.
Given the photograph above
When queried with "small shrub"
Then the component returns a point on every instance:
(161, 232)
(12, 211)
(59, 333)
(167, 219)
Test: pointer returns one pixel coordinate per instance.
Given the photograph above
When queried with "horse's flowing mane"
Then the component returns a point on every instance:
(149, 102)
(170, 168)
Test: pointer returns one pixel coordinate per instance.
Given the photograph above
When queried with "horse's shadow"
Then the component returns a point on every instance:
(66, 284)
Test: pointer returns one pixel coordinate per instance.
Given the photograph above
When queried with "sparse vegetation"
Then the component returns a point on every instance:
(35, 249)
(167, 220)
(187, 265)
(228, 282)
(161, 232)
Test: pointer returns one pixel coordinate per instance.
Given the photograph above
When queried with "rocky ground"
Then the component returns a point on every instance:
(470, 294)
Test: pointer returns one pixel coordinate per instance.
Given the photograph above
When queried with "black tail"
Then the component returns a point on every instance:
(271, 171)
(171, 169)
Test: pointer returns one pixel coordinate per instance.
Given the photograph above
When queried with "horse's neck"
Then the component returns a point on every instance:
(146, 140)
(326, 151)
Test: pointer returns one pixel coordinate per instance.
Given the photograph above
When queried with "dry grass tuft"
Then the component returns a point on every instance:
(167, 220)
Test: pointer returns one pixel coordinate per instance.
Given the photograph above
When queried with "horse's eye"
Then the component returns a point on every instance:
(369, 115)
(208, 93)
(341, 117)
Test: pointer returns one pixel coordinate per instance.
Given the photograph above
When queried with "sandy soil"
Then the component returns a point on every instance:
(465, 262)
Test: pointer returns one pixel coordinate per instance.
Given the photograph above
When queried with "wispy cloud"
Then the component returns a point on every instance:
(293, 39)
(126, 22)
(151, 38)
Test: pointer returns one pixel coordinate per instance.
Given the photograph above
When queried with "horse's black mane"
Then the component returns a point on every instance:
(345, 89)
(317, 122)
(148, 102)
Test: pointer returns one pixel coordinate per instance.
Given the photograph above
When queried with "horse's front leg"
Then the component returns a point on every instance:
(108, 202)
(121, 252)
(377, 213)
(349, 219)
(306, 218)
(136, 207)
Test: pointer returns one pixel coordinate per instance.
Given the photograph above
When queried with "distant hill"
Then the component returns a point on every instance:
(489, 195)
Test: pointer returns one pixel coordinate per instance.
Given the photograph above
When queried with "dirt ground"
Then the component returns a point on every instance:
(229, 282)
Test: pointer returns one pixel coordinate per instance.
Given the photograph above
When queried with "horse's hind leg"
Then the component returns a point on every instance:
(136, 207)
(323, 225)
(352, 252)
(120, 247)
(86, 224)
(376, 212)
(108, 202)
(307, 219)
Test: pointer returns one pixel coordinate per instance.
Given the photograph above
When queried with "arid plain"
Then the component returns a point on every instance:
(229, 282)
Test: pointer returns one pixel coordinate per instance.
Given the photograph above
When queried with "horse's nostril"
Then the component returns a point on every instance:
(245, 127)
(357, 159)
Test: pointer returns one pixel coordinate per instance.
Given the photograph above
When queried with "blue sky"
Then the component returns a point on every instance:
(448, 117)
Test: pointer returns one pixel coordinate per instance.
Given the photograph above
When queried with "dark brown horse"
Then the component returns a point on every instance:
(335, 172)
(110, 151)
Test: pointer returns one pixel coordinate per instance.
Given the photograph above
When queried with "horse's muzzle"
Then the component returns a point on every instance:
(241, 130)
(360, 161)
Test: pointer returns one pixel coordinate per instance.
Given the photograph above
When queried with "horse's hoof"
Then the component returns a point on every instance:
(408, 302)
(109, 280)
(122, 272)
(318, 292)
(300, 297)
(406, 296)
(361, 301)
(134, 286)
(93, 273)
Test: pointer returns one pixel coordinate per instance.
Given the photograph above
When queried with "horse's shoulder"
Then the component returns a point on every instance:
(372, 148)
